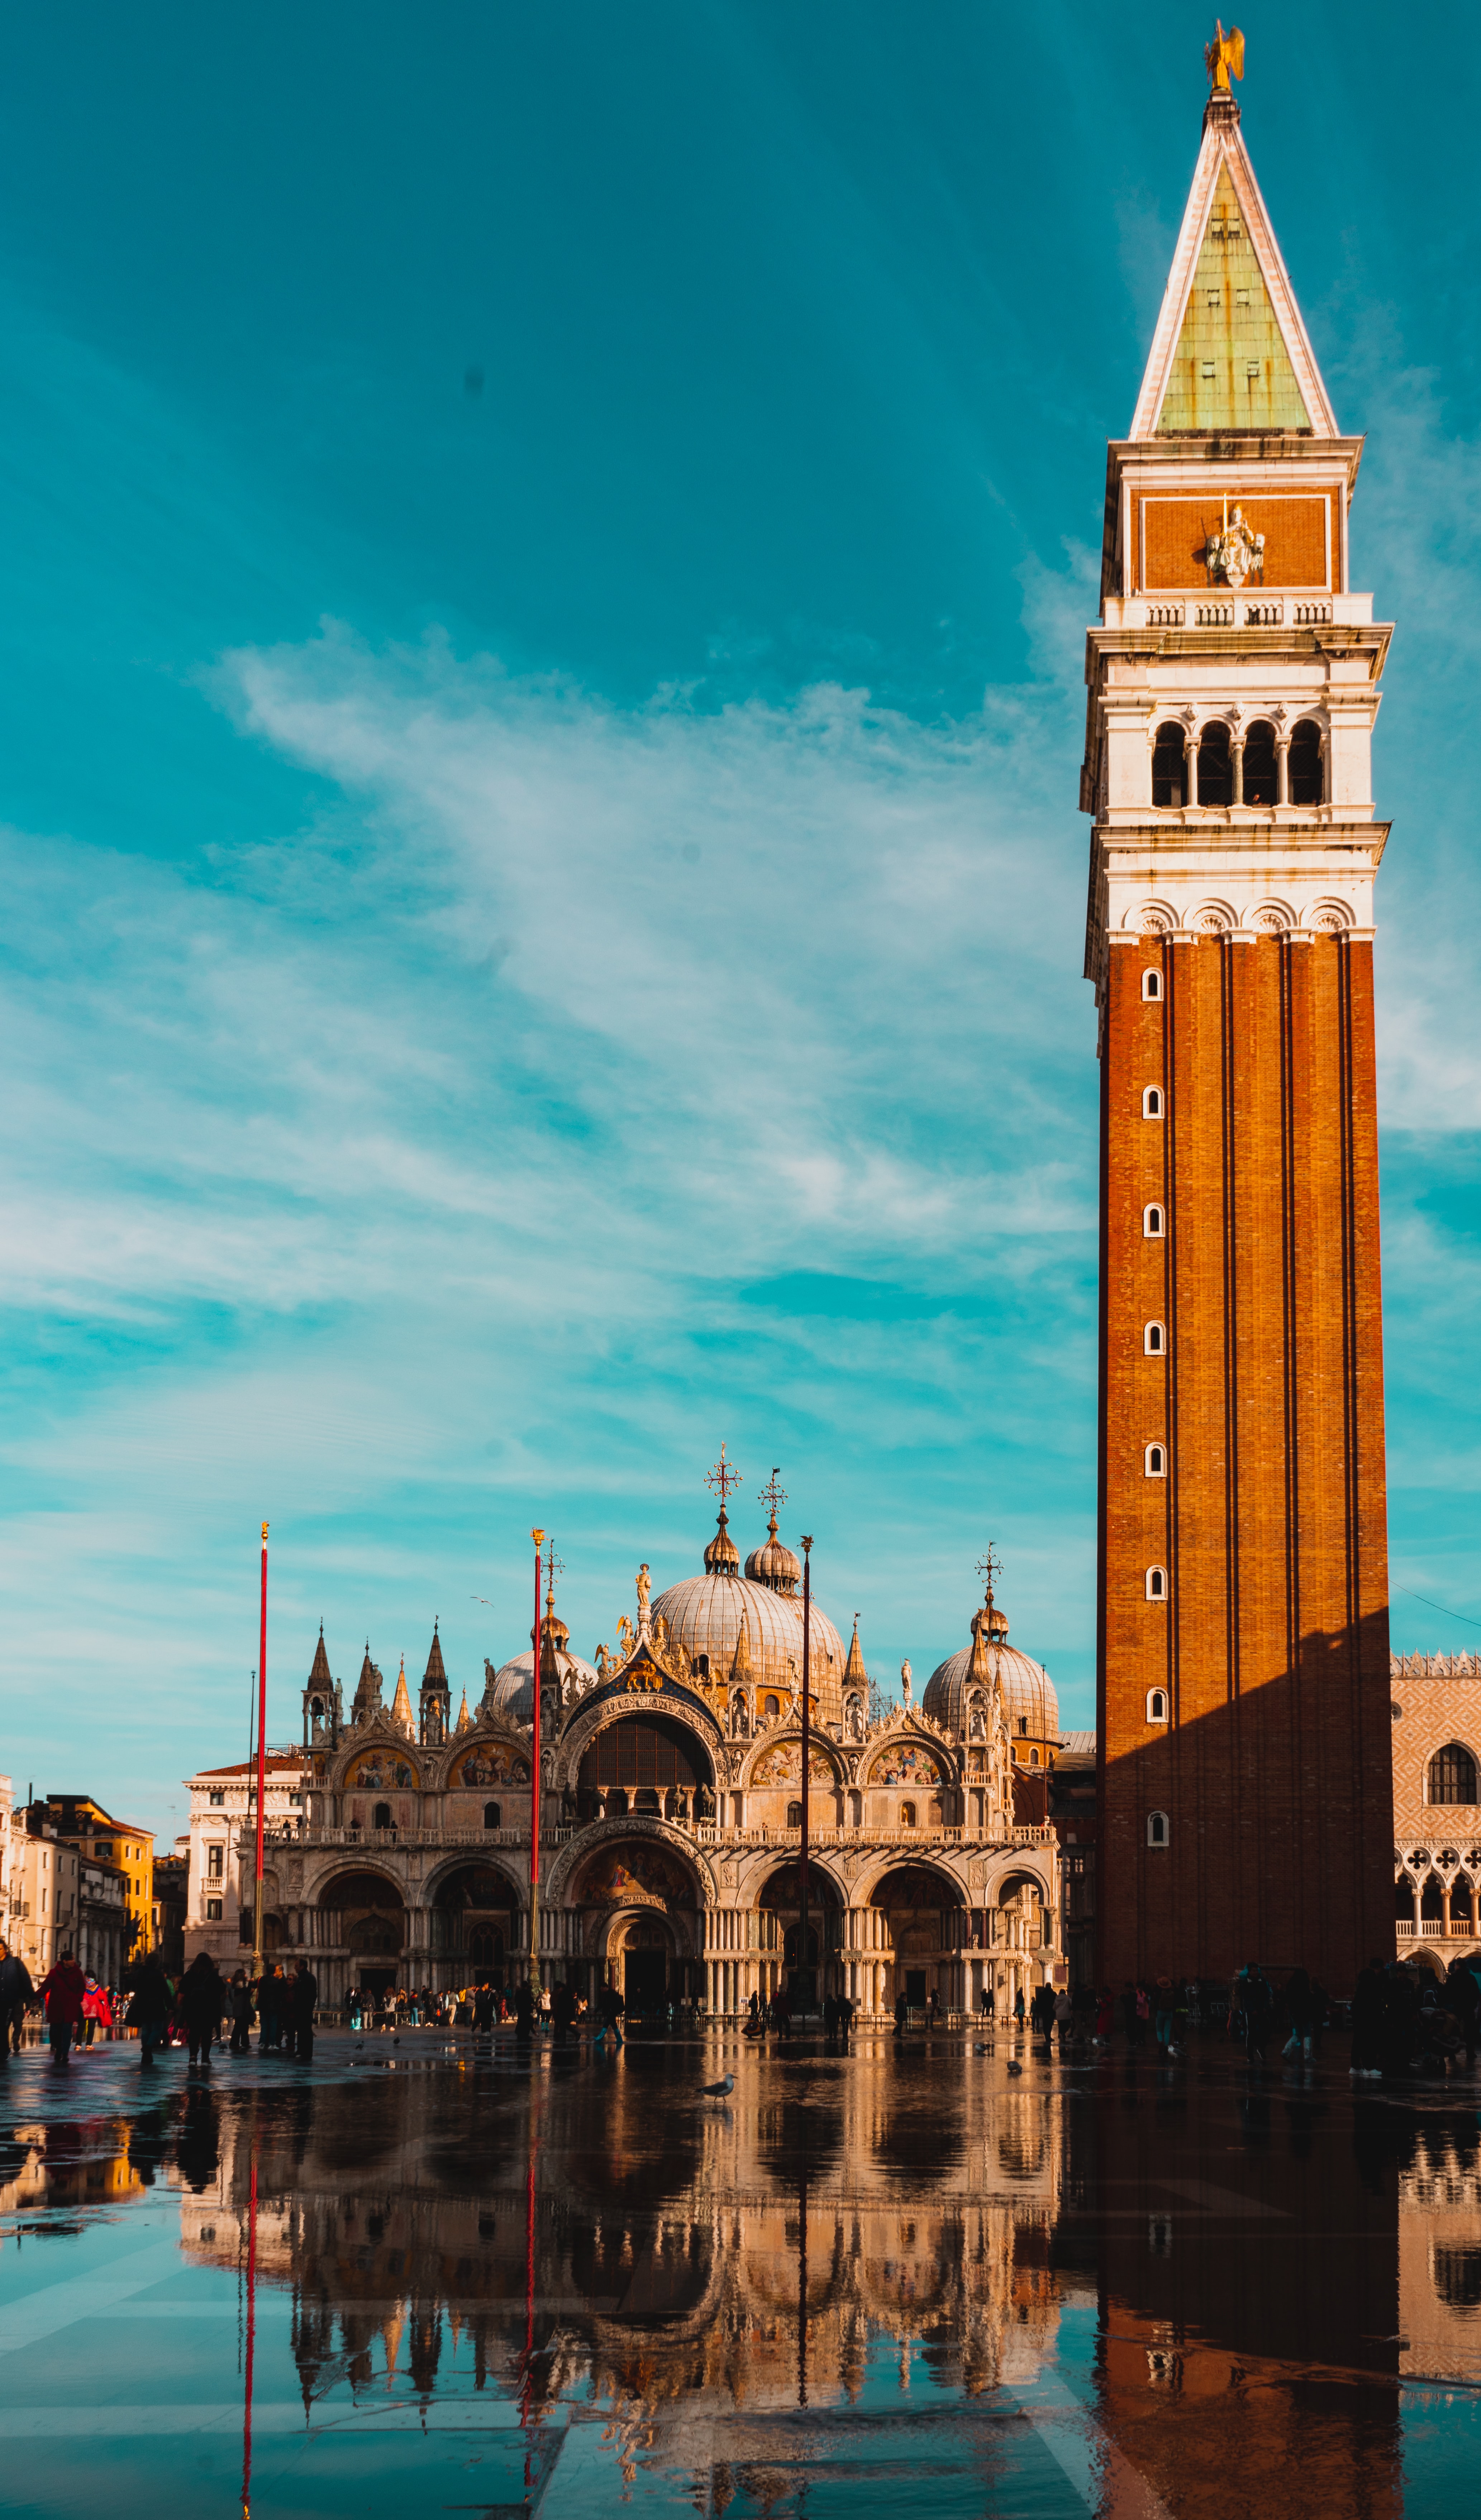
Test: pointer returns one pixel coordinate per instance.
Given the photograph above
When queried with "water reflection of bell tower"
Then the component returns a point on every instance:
(1234, 683)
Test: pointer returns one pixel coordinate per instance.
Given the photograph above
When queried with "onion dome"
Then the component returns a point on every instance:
(1029, 1698)
(509, 1690)
(726, 1627)
(722, 1557)
(774, 1563)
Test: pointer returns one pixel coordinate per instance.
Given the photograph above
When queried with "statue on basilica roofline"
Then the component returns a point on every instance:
(906, 1676)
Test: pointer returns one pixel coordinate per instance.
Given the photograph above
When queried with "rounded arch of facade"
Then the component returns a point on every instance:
(765, 1868)
(493, 1741)
(608, 1926)
(633, 1827)
(440, 1875)
(349, 1866)
(932, 1749)
(755, 1754)
(389, 1752)
(591, 1720)
(1007, 1874)
(866, 1889)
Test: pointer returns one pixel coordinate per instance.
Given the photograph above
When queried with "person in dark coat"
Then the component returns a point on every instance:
(239, 2005)
(16, 1993)
(303, 1996)
(271, 1993)
(150, 2005)
(202, 2003)
(62, 1991)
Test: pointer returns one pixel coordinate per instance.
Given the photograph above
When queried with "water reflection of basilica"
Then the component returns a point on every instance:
(661, 2254)
(671, 1812)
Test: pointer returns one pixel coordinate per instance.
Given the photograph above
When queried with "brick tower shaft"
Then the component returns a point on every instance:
(1243, 1717)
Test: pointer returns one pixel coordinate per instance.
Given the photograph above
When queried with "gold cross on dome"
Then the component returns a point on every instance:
(722, 1478)
(773, 1496)
(553, 1566)
(990, 1567)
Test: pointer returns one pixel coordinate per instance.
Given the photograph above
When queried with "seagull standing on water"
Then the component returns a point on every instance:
(721, 2091)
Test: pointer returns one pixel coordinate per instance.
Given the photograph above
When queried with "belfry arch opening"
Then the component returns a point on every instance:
(1215, 775)
(1169, 766)
(1304, 776)
(1260, 777)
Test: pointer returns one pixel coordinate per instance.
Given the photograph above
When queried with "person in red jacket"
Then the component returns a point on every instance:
(62, 1991)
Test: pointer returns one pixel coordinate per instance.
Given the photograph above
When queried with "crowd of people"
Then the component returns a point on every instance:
(196, 2009)
(1402, 2021)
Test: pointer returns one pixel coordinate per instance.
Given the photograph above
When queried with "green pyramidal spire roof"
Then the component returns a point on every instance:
(1231, 369)
(1231, 350)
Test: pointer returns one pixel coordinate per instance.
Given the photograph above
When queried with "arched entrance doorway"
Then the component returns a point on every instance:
(476, 1927)
(363, 1919)
(919, 1929)
(641, 1924)
(808, 1975)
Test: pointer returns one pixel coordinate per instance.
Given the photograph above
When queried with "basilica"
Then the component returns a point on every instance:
(671, 1812)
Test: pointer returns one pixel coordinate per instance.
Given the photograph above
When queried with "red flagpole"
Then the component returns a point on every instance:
(801, 1866)
(256, 1940)
(539, 1538)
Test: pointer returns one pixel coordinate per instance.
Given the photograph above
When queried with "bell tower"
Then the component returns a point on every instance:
(1233, 682)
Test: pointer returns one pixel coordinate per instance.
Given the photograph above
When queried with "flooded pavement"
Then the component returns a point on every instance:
(405, 2277)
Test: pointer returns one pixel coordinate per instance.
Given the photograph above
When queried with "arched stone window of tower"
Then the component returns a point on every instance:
(772, 1707)
(908, 1814)
(1170, 766)
(1151, 984)
(1216, 769)
(1259, 763)
(1452, 1775)
(1157, 1706)
(1158, 1830)
(493, 1818)
(1156, 1461)
(1157, 1583)
(381, 1817)
(1151, 1102)
(1153, 1222)
(1154, 1340)
(794, 1815)
(1304, 769)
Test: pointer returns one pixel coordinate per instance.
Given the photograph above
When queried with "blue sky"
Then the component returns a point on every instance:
(547, 555)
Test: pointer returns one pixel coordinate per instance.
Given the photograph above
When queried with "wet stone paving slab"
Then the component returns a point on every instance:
(941, 2274)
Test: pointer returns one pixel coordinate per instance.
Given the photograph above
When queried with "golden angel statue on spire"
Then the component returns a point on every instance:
(1225, 57)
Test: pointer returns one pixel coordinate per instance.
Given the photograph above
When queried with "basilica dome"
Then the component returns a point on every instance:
(706, 1614)
(1029, 1698)
(510, 1692)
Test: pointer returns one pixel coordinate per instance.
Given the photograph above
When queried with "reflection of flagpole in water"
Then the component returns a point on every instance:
(802, 2289)
(252, 2336)
(528, 2408)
